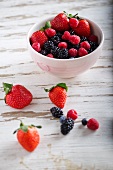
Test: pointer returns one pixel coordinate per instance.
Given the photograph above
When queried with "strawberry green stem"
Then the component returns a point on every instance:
(24, 128)
(47, 25)
(71, 15)
(63, 85)
(7, 87)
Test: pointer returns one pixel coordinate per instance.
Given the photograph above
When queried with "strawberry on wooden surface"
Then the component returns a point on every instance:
(17, 96)
(58, 94)
(28, 136)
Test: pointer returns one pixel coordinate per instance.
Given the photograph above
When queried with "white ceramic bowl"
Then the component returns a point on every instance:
(66, 68)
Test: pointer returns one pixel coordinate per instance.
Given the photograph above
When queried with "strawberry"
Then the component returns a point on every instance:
(60, 22)
(38, 36)
(83, 28)
(28, 136)
(17, 96)
(58, 95)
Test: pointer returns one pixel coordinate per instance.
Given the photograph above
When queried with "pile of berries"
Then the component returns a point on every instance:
(66, 36)
(67, 122)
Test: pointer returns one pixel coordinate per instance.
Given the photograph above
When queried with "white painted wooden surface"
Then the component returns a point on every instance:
(91, 94)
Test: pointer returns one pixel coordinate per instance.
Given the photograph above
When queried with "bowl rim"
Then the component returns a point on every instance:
(62, 60)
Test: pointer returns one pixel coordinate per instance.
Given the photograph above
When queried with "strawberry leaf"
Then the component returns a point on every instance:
(46, 90)
(63, 85)
(7, 87)
(36, 126)
(47, 25)
(24, 128)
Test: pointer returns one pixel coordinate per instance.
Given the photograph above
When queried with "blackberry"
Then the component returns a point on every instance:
(70, 45)
(56, 112)
(67, 126)
(48, 45)
(93, 45)
(76, 46)
(59, 34)
(55, 39)
(43, 52)
(83, 39)
(62, 54)
(54, 51)
(72, 32)
(90, 50)
(84, 122)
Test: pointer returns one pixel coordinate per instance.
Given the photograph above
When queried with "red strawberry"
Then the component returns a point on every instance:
(58, 95)
(60, 22)
(83, 28)
(28, 136)
(17, 96)
(38, 36)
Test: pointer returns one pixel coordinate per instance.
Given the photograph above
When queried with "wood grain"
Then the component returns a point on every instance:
(91, 93)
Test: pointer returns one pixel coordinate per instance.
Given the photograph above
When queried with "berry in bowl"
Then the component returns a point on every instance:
(65, 45)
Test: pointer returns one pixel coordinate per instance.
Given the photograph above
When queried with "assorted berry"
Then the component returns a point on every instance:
(65, 31)
(67, 122)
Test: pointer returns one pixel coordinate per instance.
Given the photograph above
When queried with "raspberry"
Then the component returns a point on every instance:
(72, 52)
(62, 45)
(84, 122)
(50, 55)
(67, 126)
(66, 35)
(93, 124)
(85, 45)
(50, 32)
(74, 39)
(73, 22)
(56, 112)
(36, 46)
(93, 38)
(82, 52)
(72, 114)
